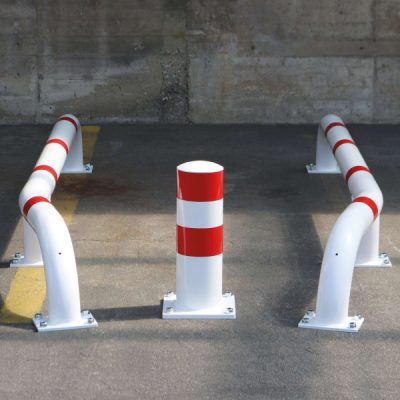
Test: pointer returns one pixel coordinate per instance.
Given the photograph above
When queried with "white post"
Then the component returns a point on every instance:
(32, 254)
(74, 163)
(354, 238)
(199, 246)
(337, 271)
(368, 252)
(61, 274)
(325, 162)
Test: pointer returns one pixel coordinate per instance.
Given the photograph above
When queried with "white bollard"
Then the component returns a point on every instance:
(354, 239)
(43, 220)
(199, 235)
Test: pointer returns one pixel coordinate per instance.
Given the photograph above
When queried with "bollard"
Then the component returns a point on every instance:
(45, 230)
(354, 239)
(199, 235)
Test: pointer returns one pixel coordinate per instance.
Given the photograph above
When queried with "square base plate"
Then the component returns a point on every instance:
(383, 261)
(352, 324)
(19, 262)
(312, 169)
(226, 309)
(86, 169)
(42, 325)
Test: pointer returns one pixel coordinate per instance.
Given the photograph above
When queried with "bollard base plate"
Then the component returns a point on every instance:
(383, 261)
(313, 169)
(352, 324)
(42, 325)
(225, 310)
(20, 262)
(84, 169)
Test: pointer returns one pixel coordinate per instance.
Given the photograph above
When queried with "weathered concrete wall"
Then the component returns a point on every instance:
(202, 61)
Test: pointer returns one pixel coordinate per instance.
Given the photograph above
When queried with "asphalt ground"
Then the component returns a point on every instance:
(276, 223)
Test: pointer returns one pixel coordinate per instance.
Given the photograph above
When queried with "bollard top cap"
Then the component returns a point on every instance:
(200, 167)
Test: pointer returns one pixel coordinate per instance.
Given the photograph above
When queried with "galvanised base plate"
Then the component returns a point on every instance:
(312, 169)
(352, 324)
(86, 169)
(42, 325)
(383, 261)
(225, 310)
(19, 262)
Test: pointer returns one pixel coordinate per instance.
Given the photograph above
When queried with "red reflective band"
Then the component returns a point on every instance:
(200, 187)
(48, 169)
(369, 202)
(195, 242)
(355, 169)
(59, 141)
(32, 201)
(340, 142)
(332, 125)
(69, 120)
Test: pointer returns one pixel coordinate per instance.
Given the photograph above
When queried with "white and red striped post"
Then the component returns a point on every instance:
(354, 239)
(47, 234)
(199, 235)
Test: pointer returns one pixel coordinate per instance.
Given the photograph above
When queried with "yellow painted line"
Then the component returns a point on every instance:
(28, 287)
(25, 297)
(87, 131)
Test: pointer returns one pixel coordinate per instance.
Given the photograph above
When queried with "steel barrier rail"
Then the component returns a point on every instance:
(45, 232)
(354, 239)
(32, 256)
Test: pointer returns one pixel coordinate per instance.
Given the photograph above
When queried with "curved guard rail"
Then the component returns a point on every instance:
(73, 164)
(44, 226)
(354, 239)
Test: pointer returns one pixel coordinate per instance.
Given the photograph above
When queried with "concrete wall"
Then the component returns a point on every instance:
(201, 61)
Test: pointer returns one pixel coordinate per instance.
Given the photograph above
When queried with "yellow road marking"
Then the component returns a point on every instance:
(88, 132)
(28, 288)
(25, 297)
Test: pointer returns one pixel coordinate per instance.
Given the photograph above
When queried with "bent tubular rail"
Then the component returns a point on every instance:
(44, 226)
(354, 239)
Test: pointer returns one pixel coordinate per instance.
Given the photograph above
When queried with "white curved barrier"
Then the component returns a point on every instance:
(45, 232)
(73, 164)
(354, 239)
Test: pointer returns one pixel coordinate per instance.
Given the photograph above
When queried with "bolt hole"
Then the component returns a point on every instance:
(336, 254)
